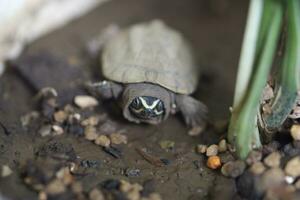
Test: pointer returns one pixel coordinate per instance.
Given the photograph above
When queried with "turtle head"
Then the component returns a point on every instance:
(147, 107)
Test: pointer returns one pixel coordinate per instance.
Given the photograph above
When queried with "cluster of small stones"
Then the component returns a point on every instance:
(58, 122)
(125, 189)
(220, 156)
(69, 115)
(274, 170)
(63, 184)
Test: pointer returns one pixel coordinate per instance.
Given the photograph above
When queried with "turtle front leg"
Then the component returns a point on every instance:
(194, 112)
(105, 89)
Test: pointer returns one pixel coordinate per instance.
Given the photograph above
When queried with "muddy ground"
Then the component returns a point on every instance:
(216, 35)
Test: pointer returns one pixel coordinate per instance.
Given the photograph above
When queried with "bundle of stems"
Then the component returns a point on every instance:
(267, 20)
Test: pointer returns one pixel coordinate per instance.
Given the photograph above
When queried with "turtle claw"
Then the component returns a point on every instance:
(194, 112)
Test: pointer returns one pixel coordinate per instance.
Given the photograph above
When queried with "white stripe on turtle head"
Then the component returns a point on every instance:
(144, 102)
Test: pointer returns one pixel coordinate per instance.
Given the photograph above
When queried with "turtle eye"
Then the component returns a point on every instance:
(159, 107)
(136, 103)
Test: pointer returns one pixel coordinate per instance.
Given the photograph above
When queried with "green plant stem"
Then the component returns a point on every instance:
(286, 93)
(246, 60)
(247, 118)
(248, 50)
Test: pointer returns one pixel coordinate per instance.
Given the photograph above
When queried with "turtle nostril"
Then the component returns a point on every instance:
(147, 112)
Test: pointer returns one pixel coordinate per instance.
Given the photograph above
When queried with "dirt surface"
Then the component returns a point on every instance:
(216, 36)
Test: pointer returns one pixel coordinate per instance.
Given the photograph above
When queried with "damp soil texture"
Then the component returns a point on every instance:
(59, 60)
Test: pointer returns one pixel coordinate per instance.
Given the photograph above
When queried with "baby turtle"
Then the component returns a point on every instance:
(151, 72)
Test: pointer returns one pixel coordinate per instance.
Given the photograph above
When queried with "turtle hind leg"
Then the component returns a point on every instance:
(105, 89)
(194, 112)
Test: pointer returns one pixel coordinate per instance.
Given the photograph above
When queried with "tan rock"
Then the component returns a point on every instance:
(60, 116)
(212, 150)
(103, 140)
(96, 194)
(90, 133)
(201, 148)
(292, 168)
(117, 138)
(273, 159)
(85, 101)
(222, 146)
(295, 132)
(55, 187)
(257, 168)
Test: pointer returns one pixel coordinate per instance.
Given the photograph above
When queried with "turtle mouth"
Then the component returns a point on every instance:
(146, 107)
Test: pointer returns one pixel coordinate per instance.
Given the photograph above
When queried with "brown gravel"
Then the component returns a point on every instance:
(60, 116)
(273, 159)
(201, 148)
(90, 133)
(103, 140)
(222, 146)
(212, 150)
(84, 101)
(257, 168)
(233, 168)
(292, 168)
(117, 138)
(295, 132)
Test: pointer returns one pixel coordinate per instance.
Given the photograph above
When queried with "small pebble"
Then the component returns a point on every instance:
(253, 157)
(167, 144)
(233, 169)
(132, 172)
(295, 132)
(154, 196)
(6, 171)
(77, 187)
(103, 141)
(74, 118)
(91, 121)
(55, 187)
(212, 150)
(65, 175)
(57, 130)
(96, 194)
(289, 179)
(272, 178)
(60, 116)
(214, 162)
(226, 157)
(134, 192)
(84, 101)
(257, 168)
(125, 186)
(42, 195)
(292, 168)
(273, 159)
(222, 146)
(69, 108)
(201, 148)
(195, 131)
(297, 184)
(117, 138)
(90, 163)
(45, 130)
(90, 133)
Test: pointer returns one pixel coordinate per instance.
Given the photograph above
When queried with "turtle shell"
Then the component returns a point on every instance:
(151, 52)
